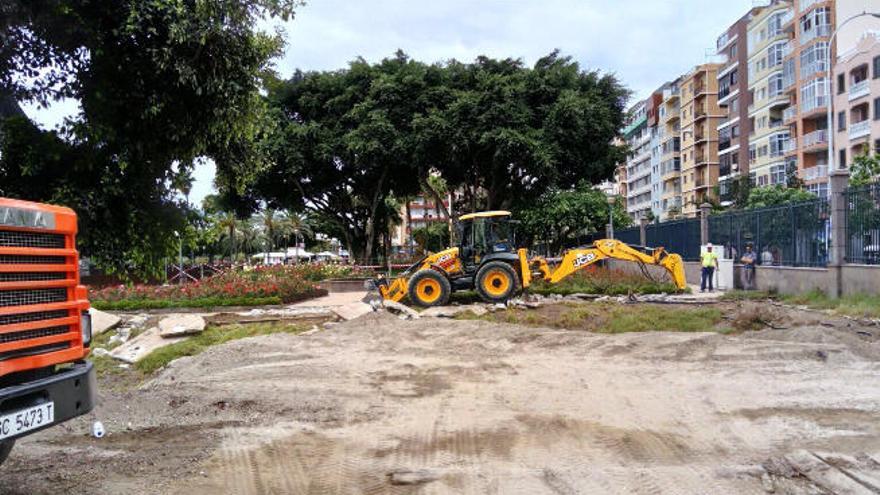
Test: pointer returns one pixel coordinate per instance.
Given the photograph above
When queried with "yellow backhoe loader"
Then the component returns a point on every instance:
(487, 260)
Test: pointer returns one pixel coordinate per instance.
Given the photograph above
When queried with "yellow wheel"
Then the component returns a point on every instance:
(429, 288)
(496, 281)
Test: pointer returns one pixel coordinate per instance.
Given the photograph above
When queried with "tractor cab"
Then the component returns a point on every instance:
(484, 236)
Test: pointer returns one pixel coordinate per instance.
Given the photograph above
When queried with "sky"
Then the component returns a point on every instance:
(643, 42)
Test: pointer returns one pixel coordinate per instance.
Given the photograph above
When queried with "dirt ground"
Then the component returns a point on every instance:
(380, 405)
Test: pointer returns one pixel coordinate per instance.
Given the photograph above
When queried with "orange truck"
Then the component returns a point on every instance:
(45, 326)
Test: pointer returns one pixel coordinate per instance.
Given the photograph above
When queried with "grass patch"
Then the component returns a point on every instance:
(609, 318)
(210, 337)
(859, 305)
(204, 302)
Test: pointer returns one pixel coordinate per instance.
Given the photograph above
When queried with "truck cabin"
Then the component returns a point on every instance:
(485, 233)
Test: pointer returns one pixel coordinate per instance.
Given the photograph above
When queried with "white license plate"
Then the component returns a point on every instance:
(26, 420)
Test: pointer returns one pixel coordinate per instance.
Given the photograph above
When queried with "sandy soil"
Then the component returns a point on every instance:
(384, 406)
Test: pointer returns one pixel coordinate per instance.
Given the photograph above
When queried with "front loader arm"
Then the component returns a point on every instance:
(576, 259)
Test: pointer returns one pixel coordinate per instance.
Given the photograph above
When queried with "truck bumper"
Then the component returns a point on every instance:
(72, 390)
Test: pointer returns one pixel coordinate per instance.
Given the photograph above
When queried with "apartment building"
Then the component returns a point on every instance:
(653, 111)
(423, 211)
(669, 136)
(772, 156)
(638, 164)
(805, 81)
(857, 100)
(733, 100)
(700, 116)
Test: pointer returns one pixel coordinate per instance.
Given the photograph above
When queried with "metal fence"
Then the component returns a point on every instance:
(788, 235)
(676, 236)
(863, 224)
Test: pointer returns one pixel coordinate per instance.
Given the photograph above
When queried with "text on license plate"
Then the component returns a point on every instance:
(26, 419)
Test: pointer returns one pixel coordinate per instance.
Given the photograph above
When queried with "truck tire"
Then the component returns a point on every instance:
(496, 282)
(5, 449)
(428, 288)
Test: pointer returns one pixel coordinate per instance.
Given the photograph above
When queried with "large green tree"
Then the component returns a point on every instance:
(559, 217)
(160, 83)
(506, 133)
(499, 132)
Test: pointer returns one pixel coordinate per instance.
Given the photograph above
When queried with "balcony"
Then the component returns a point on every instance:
(724, 40)
(790, 146)
(789, 113)
(813, 104)
(699, 113)
(815, 138)
(860, 129)
(823, 30)
(806, 4)
(817, 172)
(859, 89)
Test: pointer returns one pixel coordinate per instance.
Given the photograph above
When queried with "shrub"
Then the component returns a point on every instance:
(257, 286)
(600, 280)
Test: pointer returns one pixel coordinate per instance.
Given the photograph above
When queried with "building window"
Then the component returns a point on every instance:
(877, 146)
(877, 67)
(813, 59)
(774, 85)
(777, 174)
(842, 163)
(877, 108)
(775, 53)
(841, 83)
(841, 121)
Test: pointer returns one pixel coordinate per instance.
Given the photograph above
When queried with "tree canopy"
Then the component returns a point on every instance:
(498, 132)
(560, 217)
(160, 83)
(762, 197)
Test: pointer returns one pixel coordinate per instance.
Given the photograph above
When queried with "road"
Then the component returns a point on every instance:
(380, 405)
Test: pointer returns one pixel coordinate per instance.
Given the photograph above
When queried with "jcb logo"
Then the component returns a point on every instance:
(583, 259)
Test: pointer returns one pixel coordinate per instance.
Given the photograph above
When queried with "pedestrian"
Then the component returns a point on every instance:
(748, 260)
(766, 256)
(710, 263)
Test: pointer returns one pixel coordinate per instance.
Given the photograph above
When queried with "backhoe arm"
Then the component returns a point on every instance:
(576, 259)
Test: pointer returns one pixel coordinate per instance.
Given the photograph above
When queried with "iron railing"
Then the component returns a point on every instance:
(788, 235)
(863, 224)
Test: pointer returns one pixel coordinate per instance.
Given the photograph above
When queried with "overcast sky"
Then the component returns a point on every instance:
(643, 42)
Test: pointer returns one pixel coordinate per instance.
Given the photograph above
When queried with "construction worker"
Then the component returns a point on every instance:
(709, 262)
(748, 260)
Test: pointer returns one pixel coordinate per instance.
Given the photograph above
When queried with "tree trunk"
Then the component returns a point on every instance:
(408, 228)
(371, 222)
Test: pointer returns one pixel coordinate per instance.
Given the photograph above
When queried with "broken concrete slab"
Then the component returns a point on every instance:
(139, 347)
(181, 324)
(352, 310)
(101, 321)
(453, 311)
(401, 309)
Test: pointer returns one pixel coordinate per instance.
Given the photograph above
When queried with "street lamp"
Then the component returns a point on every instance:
(830, 85)
(611, 200)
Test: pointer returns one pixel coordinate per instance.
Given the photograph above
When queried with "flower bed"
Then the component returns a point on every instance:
(244, 287)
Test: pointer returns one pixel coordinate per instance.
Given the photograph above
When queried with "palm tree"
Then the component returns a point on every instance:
(274, 225)
(299, 224)
(251, 236)
(228, 224)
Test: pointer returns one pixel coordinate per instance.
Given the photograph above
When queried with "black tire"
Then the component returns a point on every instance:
(5, 449)
(496, 282)
(428, 288)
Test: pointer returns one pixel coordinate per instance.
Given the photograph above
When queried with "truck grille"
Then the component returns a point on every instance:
(14, 259)
(32, 334)
(31, 276)
(31, 239)
(29, 317)
(32, 296)
(33, 351)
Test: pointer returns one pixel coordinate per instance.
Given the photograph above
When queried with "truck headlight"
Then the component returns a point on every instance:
(86, 326)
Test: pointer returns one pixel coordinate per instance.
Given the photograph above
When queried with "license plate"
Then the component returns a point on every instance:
(26, 420)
